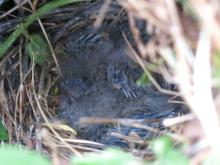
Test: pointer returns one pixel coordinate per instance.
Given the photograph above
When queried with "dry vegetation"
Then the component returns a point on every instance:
(186, 39)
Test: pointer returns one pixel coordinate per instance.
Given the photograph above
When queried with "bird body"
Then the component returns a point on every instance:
(107, 88)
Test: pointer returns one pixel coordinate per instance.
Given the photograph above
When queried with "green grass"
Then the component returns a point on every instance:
(165, 153)
(3, 133)
(30, 19)
(15, 155)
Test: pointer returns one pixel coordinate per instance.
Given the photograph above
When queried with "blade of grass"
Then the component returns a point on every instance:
(30, 19)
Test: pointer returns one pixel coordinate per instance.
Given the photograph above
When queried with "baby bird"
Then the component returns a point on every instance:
(119, 80)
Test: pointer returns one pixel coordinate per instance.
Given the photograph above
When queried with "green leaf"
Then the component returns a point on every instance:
(143, 80)
(217, 60)
(161, 145)
(107, 157)
(30, 19)
(188, 8)
(3, 133)
(37, 49)
(13, 155)
(216, 72)
(166, 154)
(55, 91)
